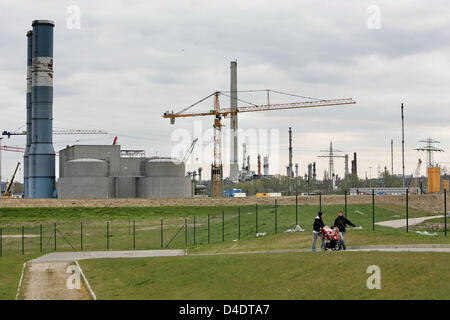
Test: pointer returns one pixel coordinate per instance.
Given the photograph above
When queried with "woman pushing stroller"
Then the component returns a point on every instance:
(334, 234)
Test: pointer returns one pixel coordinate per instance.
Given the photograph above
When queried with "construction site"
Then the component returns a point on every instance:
(108, 171)
(237, 151)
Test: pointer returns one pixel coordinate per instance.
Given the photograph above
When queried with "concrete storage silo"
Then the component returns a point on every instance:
(86, 178)
(41, 158)
(164, 178)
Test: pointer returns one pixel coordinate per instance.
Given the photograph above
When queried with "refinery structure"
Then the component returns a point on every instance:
(107, 171)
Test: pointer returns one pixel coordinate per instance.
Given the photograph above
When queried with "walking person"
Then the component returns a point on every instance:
(317, 231)
(341, 223)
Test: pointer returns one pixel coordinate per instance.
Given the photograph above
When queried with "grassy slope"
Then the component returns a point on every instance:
(272, 276)
(10, 271)
(68, 222)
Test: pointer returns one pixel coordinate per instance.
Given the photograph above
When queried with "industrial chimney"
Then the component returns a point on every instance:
(29, 115)
(234, 166)
(266, 165)
(354, 165)
(41, 158)
(314, 171)
(290, 172)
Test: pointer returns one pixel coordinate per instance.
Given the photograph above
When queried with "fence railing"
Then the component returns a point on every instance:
(220, 226)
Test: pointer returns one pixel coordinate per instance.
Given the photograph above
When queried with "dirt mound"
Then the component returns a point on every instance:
(432, 203)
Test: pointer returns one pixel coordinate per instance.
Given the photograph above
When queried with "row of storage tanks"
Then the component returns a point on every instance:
(92, 178)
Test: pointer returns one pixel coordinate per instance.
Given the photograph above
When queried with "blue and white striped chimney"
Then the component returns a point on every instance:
(41, 158)
(28, 102)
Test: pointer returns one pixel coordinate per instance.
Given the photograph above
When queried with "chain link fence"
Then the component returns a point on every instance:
(218, 226)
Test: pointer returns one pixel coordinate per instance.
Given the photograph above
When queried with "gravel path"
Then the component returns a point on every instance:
(47, 281)
(72, 256)
(400, 223)
(392, 248)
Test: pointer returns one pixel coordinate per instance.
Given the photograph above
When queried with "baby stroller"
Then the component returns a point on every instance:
(332, 238)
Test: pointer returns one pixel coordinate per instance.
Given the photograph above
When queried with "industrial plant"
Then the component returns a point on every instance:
(107, 171)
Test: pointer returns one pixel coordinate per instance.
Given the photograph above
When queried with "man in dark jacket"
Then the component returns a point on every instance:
(317, 231)
(341, 222)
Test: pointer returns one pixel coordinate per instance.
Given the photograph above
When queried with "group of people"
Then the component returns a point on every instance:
(340, 222)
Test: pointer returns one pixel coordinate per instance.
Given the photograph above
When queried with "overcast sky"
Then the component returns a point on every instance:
(132, 60)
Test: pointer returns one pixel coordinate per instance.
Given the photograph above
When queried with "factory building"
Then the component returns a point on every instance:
(106, 171)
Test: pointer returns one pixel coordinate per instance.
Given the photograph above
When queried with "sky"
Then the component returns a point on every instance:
(119, 65)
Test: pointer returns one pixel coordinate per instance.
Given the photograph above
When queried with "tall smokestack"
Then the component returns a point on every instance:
(354, 165)
(266, 166)
(234, 166)
(41, 158)
(29, 115)
(289, 170)
(259, 165)
(314, 171)
(346, 166)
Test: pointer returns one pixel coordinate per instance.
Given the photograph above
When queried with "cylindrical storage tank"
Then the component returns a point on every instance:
(164, 168)
(164, 178)
(86, 168)
(41, 158)
(29, 115)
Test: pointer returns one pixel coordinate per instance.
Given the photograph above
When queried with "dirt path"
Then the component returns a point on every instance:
(47, 281)
(400, 223)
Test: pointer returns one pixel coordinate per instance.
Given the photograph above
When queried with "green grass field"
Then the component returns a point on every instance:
(224, 231)
(328, 275)
(140, 228)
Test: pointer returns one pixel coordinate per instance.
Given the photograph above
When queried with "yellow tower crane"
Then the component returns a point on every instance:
(219, 113)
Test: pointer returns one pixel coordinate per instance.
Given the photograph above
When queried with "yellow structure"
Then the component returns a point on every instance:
(262, 195)
(434, 180)
(445, 184)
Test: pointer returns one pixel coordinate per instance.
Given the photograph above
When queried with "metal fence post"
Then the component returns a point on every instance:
(162, 234)
(23, 240)
(320, 201)
(345, 200)
(54, 233)
(40, 237)
(296, 209)
(107, 235)
(208, 227)
(407, 212)
(373, 209)
(81, 235)
(239, 223)
(223, 226)
(134, 234)
(185, 232)
(194, 230)
(1, 242)
(276, 217)
(445, 212)
(256, 220)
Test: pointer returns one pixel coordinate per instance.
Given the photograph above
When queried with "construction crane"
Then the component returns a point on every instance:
(219, 113)
(415, 183)
(56, 131)
(9, 186)
(188, 152)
